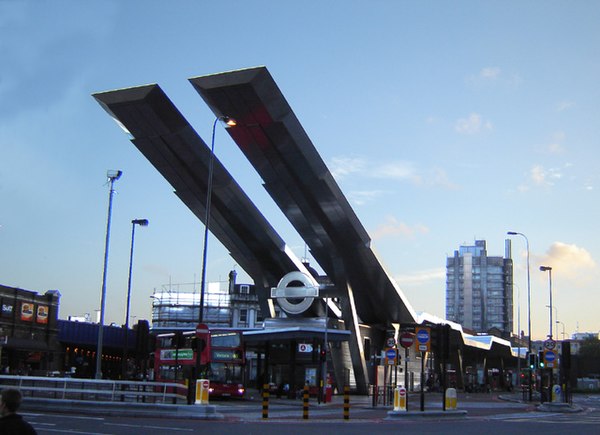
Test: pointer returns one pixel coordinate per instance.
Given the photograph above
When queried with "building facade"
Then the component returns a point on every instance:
(479, 289)
(226, 305)
(28, 331)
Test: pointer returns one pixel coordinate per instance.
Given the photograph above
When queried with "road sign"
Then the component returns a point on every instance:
(423, 338)
(201, 328)
(550, 358)
(391, 356)
(407, 339)
(550, 344)
(305, 348)
(390, 342)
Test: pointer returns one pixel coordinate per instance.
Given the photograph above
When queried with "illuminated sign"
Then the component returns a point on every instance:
(176, 354)
(225, 355)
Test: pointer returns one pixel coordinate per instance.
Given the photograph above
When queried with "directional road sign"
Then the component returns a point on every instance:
(423, 338)
(391, 356)
(550, 358)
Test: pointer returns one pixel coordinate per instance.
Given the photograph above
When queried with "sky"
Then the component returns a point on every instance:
(442, 122)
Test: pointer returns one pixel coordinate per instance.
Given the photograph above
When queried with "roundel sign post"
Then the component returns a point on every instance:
(423, 335)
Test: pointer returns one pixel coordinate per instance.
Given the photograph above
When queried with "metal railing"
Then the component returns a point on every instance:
(96, 389)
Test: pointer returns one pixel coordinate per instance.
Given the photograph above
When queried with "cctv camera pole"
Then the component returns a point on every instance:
(112, 177)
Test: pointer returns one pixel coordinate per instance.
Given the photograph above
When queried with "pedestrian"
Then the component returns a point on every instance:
(12, 423)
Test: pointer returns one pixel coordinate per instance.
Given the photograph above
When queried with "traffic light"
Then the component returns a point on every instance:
(323, 355)
(541, 360)
(532, 360)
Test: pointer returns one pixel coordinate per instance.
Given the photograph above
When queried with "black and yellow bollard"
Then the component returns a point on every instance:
(305, 403)
(265, 401)
(346, 402)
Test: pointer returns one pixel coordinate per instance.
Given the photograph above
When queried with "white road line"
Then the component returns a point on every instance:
(68, 431)
(63, 416)
(142, 426)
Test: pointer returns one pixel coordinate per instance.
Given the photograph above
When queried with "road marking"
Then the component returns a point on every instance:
(65, 431)
(62, 416)
(166, 428)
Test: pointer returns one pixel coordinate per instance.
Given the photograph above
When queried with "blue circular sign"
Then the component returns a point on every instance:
(550, 356)
(391, 354)
(423, 336)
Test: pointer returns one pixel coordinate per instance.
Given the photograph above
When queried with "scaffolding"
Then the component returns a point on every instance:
(176, 306)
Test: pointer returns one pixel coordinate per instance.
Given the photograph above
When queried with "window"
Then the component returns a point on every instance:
(243, 315)
(244, 289)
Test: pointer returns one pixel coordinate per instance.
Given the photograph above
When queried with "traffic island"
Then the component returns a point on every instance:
(558, 407)
(395, 415)
(198, 412)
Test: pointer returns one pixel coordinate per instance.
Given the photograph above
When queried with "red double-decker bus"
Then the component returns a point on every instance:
(222, 360)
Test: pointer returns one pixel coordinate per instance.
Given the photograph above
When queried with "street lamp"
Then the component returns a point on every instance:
(229, 122)
(112, 176)
(141, 223)
(563, 328)
(514, 233)
(549, 270)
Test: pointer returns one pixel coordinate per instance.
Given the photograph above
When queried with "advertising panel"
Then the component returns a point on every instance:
(27, 311)
(42, 314)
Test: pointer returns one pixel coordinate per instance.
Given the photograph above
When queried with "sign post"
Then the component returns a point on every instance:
(406, 341)
(423, 334)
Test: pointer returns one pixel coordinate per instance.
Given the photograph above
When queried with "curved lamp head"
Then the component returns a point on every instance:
(227, 120)
(545, 268)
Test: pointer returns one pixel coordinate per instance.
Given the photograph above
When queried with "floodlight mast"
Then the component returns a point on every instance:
(112, 175)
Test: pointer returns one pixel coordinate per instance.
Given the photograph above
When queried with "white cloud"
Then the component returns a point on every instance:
(472, 124)
(564, 105)
(343, 166)
(392, 227)
(401, 170)
(421, 277)
(492, 76)
(570, 262)
(490, 73)
(362, 197)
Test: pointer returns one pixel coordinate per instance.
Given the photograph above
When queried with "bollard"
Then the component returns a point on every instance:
(202, 386)
(305, 403)
(451, 398)
(400, 399)
(346, 402)
(556, 393)
(265, 401)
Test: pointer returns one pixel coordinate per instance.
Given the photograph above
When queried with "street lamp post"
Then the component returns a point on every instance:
(141, 223)
(549, 270)
(563, 328)
(112, 177)
(230, 122)
(514, 233)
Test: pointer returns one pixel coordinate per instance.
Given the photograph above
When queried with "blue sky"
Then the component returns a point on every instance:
(443, 122)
